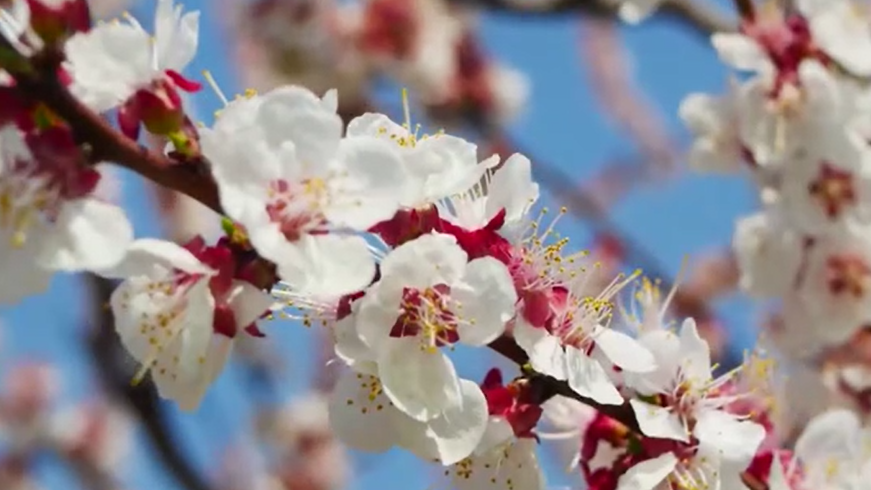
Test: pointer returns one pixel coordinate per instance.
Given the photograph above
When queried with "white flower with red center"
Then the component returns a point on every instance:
(112, 61)
(828, 184)
(49, 218)
(429, 295)
(285, 174)
(831, 294)
(573, 343)
(682, 402)
(364, 417)
(178, 312)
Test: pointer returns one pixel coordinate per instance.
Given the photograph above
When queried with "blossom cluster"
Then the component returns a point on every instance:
(797, 122)
(406, 247)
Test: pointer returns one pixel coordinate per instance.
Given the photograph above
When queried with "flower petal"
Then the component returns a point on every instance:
(361, 416)
(624, 351)
(588, 378)
(730, 438)
(485, 301)
(422, 383)
(657, 421)
(646, 475)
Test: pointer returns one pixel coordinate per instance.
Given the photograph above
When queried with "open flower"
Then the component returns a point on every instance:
(430, 296)
(49, 218)
(286, 175)
(112, 61)
(178, 311)
(682, 402)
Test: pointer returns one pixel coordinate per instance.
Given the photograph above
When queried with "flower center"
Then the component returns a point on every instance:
(296, 207)
(426, 314)
(833, 189)
(848, 274)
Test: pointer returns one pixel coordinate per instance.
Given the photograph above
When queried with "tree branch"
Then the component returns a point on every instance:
(699, 15)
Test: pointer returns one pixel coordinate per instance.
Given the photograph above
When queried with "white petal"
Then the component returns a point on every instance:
(88, 235)
(659, 421)
(210, 368)
(107, 64)
(420, 382)
(588, 378)
(20, 263)
(624, 351)
(740, 52)
(328, 265)
(248, 302)
(546, 353)
(293, 114)
(831, 435)
(378, 311)
(456, 433)
(349, 346)
(176, 36)
(361, 416)
(695, 353)
(371, 183)
(485, 301)
(646, 475)
(198, 329)
(732, 439)
(143, 254)
(426, 261)
(512, 188)
(372, 124)
(514, 466)
(665, 347)
(498, 432)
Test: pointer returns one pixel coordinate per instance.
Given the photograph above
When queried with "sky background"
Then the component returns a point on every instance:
(562, 124)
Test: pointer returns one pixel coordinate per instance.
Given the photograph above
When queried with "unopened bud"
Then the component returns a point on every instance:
(56, 20)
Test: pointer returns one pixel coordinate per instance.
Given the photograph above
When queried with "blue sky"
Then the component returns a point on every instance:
(561, 124)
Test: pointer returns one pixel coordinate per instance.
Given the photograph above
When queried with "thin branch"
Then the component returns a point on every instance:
(699, 15)
(103, 143)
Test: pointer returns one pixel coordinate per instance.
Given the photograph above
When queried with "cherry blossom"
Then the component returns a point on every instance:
(49, 218)
(178, 311)
(682, 402)
(573, 344)
(286, 175)
(429, 296)
(113, 61)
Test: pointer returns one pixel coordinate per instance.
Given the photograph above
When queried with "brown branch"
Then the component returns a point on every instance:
(103, 143)
(697, 14)
(547, 387)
